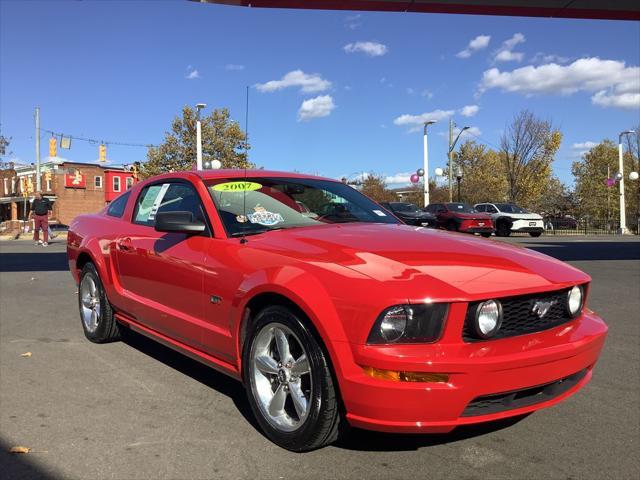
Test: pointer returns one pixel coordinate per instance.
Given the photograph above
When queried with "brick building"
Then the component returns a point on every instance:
(73, 188)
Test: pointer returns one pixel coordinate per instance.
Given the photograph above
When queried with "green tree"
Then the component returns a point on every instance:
(527, 150)
(222, 139)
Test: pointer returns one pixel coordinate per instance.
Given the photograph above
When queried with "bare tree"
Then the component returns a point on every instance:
(527, 149)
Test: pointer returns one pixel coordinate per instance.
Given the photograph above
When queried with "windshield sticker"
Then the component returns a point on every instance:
(380, 213)
(263, 217)
(158, 201)
(237, 187)
(241, 219)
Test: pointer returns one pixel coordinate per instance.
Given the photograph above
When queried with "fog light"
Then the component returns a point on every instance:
(574, 301)
(488, 318)
(399, 376)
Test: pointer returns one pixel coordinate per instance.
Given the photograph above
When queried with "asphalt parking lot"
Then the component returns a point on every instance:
(134, 409)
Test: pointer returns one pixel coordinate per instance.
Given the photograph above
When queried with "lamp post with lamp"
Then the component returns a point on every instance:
(623, 219)
(199, 106)
(426, 162)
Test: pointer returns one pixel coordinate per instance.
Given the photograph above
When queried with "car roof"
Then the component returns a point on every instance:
(255, 173)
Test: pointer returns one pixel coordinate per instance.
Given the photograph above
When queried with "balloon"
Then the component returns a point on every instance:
(633, 176)
(420, 172)
(610, 182)
(439, 172)
(414, 178)
(216, 164)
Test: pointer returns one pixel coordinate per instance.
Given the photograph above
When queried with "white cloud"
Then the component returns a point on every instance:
(308, 83)
(428, 94)
(371, 49)
(584, 145)
(192, 73)
(416, 121)
(509, 56)
(478, 43)
(544, 58)
(613, 83)
(353, 22)
(402, 177)
(233, 67)
(506, 54)
(469, 110)
(411, 91)
(317, 107)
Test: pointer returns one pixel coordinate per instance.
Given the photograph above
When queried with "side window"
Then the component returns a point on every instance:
(491, 209)
(166, 197)
(481, 208)
(116, 207)
(441, 209)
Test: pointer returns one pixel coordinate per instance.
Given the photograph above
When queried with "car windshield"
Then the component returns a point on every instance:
(405, 207)
(257, 205)
(461, 208)
(509, 208)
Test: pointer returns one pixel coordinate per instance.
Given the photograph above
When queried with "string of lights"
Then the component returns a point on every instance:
(97, 141)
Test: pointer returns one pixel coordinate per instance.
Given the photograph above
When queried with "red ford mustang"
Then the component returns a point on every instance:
(328, 309)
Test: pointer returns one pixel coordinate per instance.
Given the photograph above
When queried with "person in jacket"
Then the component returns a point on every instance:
(40, 209)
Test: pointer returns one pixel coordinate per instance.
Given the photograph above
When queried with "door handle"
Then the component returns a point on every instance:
(124, 244)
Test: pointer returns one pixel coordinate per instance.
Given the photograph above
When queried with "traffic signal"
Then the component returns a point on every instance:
(53, 147)
(102, 152)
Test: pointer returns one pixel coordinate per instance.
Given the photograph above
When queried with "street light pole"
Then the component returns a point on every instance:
(623, 217)
(452, 145)
(37, 149)
(199, 107)
(459, 178)
(426, 163)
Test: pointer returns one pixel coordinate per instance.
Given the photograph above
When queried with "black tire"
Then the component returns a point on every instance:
(503, 229)
(452, 226)
(486, 234)
(535, 234)
(107, 329)
(323, 423)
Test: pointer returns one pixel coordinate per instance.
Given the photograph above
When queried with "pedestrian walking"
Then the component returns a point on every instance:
(40, 209)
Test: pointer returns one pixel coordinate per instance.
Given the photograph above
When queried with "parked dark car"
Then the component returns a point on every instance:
(560, 223)
(461, 217)
(410, 214)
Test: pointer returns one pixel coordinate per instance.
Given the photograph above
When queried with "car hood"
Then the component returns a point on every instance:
(418, 263)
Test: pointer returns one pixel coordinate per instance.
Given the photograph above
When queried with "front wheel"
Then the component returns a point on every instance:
(98, 321)
(486, 234)
(535, 234)
(289, 382)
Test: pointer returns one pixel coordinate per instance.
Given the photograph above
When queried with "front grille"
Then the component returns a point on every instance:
(518, 316)
(525, 397)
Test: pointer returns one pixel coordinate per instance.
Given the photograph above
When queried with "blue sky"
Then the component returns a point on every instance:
(331, 92)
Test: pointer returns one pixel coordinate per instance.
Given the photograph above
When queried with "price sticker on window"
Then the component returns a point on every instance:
(237, 187)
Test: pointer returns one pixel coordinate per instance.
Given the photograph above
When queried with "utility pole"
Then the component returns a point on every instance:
(623, 218)
(451, 125)
(37, 149)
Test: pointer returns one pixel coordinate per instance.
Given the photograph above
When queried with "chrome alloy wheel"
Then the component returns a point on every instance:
(90, 303)
(281, 377)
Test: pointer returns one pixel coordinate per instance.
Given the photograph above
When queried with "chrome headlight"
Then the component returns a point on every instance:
(409, 324)
(488, 318)
(575, 301)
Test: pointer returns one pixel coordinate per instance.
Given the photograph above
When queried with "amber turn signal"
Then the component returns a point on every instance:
(396, 376)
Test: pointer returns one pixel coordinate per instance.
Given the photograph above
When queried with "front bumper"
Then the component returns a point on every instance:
(475, 370)
(527, 226)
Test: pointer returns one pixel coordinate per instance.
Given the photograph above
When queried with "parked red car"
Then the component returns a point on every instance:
(462, 217)
(329, 310)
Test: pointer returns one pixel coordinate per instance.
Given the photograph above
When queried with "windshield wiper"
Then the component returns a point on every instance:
(256, 232)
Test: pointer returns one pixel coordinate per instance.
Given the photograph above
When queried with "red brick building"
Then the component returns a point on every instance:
(73, 188)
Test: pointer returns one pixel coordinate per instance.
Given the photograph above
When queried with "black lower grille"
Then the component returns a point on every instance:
(519, 315)
(525, 397)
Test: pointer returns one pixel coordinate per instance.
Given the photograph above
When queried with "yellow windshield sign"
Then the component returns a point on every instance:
(237, 187)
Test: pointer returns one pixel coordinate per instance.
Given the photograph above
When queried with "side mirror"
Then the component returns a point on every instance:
(178, 222)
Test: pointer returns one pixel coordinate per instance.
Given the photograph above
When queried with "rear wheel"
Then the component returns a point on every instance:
(289, 382)
(486, 234)
(535, 234)
(98, 321)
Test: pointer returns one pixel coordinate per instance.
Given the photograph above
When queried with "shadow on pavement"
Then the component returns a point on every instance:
(196, 370)
(21, 466)
(592, 250)
(369, 441)
(31, 262)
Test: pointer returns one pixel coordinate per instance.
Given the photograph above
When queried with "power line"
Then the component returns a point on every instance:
(96, 141)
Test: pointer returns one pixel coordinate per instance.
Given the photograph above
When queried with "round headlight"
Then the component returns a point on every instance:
(574, 301)
(394, 323)
(488, 318)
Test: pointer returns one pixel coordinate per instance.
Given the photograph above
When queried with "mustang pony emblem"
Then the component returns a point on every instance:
(541, 307)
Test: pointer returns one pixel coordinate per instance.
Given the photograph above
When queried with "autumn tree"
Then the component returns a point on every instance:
(484, 178)
(528, 146)
(222, 139)
(595, 198)
(374, 187)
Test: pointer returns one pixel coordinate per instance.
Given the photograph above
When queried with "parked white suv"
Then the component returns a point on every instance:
(508, 218)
